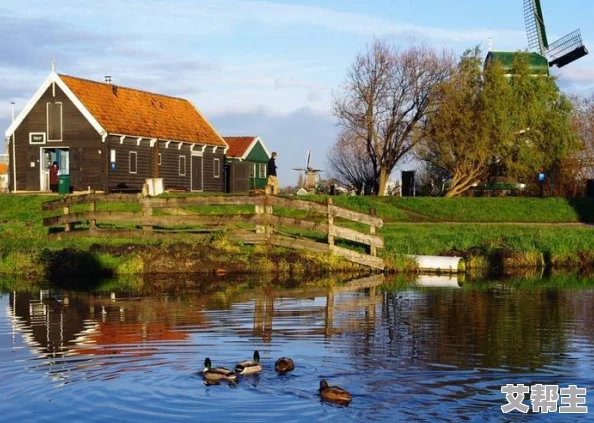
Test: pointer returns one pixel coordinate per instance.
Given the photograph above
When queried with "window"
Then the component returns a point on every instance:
(133, 162)
(54, 121)
(36, 137)
(262, 168)
(217, 168)
(182, 165)
(159, 159)
(253, 170)
(112, 155)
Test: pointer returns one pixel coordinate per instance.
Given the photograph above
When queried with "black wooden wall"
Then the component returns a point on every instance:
(83, 141)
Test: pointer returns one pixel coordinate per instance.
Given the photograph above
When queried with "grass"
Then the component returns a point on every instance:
(466, 209)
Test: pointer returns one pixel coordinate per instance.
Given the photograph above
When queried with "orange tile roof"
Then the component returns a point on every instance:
(238, 145)
(3, 168)
(128, 111)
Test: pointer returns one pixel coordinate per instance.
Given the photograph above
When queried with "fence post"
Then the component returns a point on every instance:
(267, 213)
(92, 209)
(147, 211)
(372, 248)
(259, 210)
(330, 222)
(66, 212)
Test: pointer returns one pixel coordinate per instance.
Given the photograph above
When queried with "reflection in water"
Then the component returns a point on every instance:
(437, 347)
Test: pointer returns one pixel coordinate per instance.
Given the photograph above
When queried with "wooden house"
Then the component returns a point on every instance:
(253, 151)
(111, 138)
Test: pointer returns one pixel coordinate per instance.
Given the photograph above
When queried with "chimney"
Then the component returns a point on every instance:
(108, 79)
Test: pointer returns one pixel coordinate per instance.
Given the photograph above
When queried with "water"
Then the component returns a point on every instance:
(432, 351)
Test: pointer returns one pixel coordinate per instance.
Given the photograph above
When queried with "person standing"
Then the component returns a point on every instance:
(53, 173)
(272, 179)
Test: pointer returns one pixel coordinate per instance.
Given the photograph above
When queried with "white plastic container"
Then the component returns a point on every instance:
(158, 186)
(151, 186)
(440, 264)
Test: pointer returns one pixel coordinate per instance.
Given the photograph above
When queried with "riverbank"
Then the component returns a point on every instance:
(505, 233)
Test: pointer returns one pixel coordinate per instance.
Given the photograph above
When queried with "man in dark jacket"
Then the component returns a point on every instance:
(272, 179)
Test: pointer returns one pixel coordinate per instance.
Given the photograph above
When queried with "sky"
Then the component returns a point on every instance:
(267, 68)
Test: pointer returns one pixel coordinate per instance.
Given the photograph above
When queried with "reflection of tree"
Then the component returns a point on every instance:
(468, 328)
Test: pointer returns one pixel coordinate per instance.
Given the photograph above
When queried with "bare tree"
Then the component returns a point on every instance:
(387, 93)
(349, 163)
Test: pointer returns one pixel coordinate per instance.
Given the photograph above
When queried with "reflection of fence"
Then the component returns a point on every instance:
(262, 224)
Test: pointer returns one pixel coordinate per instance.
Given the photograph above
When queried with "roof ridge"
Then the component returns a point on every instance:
(121, 86)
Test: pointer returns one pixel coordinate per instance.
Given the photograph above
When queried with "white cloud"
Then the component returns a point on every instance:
(222, 17)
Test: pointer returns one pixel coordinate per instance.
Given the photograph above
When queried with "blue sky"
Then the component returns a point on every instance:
(265, 68)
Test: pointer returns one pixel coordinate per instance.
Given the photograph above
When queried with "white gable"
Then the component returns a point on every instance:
(53, 78)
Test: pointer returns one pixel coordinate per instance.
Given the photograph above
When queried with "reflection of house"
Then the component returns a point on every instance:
(253, 151)
(107, 137)
(55, 326)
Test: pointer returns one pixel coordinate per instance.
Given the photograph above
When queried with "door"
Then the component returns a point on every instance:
(239, 178)
(196, 173)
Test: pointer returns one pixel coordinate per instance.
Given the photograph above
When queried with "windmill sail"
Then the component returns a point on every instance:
(567, 49)
(560, 53)
(535, 27)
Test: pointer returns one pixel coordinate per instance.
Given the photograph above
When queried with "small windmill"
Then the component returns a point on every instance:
(312, 175)
(565, 50)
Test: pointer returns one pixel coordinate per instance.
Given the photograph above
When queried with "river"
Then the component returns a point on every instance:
(436, 349)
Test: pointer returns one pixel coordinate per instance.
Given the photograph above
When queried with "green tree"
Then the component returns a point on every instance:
(487, 124)
(470, 123)
(542, 118)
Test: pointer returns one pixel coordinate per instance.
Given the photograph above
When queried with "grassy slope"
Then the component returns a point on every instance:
(493, 209)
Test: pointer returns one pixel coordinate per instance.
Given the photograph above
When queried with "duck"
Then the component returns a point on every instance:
(214, 375)
(334, 394)
(249, 367)
(284, 365)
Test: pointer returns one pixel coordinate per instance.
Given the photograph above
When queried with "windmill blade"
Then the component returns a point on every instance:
(567, 49)
(535, 27)
(299, 169)
(308, 159)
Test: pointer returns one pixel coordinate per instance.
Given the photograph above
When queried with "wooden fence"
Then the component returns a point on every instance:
(262, 225)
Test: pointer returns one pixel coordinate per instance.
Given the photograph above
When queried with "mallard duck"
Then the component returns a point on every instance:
(334, 394)
(284, 365)
(249, 367)
(214, 375)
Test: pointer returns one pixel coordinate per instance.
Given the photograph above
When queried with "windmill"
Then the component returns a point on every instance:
(311, 174)
(565, 50)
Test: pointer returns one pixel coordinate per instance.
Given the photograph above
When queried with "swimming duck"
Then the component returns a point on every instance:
(284, 365)
(214, 375)
(249, 367)
(334, 394)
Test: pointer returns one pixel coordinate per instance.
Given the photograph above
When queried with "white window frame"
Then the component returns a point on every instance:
(159, 159)
(253, 170)
(112, 155)
(48, 122)
(262, 170)
(180, 165)
(135, 162)
(216, 172)
(36, 133)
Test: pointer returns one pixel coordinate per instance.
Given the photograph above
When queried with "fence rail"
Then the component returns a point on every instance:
(265, 224)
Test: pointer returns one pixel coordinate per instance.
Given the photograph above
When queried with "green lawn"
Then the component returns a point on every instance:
(483, 209)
